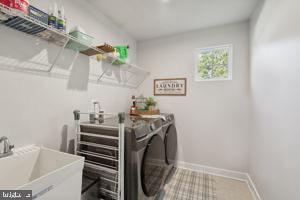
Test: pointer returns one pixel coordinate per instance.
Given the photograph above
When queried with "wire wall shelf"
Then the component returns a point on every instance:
(50, 55)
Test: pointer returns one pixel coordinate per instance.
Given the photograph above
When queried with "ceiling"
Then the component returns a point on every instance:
(147, 19)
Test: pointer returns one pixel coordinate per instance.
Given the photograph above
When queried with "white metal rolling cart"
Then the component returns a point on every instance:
(108, 168)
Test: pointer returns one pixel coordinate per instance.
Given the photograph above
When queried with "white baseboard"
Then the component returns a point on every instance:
(213, 171)
(253, 188)
(241, 176)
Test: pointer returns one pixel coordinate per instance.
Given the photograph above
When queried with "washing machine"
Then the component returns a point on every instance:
(146, 169)
(170, 141)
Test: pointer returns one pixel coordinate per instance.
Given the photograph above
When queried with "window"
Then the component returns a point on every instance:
(214, 63)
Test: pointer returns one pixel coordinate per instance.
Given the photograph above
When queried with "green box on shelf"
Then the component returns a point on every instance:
(84, 41)
(123, 52)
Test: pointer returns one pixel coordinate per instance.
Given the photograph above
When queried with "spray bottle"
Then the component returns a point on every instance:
(61, 26)
(53, 13)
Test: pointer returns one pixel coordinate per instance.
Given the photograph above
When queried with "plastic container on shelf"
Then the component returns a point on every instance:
(4, 15)
(20, 5)
(84, 40)
(38, 14)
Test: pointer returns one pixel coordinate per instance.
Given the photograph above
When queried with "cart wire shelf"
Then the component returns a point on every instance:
(107, 169)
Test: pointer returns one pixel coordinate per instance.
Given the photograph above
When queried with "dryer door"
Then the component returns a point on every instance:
(154, 168)
(171, 144)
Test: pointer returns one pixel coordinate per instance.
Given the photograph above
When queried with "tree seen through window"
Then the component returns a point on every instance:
(213, 64)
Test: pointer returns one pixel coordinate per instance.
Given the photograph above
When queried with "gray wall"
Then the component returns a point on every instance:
(275, 146)
(38, 109)
(212, 120)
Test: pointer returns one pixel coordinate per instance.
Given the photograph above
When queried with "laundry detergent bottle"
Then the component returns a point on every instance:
(53, 13)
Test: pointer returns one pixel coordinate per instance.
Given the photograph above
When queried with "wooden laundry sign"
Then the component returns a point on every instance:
(170, 87)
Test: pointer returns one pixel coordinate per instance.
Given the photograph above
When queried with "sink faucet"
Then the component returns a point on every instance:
(7, 147)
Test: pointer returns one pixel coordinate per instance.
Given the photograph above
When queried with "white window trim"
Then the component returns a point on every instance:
(230, 62)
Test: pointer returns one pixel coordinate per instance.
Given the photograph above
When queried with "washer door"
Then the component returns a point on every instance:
(153, 167)
(171, 144)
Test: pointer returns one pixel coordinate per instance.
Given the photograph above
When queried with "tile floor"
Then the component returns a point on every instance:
(188, 185)
(191, 185)
(229, 189)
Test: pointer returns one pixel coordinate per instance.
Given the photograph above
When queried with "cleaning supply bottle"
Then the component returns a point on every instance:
(64, 18)
(60, 20)
(133, 108)
(53, 13)
(51, 18)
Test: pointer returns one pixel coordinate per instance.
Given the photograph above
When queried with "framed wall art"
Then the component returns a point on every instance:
(170, 87)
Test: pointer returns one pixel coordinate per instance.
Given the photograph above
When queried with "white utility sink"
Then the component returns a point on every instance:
(49, 174)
